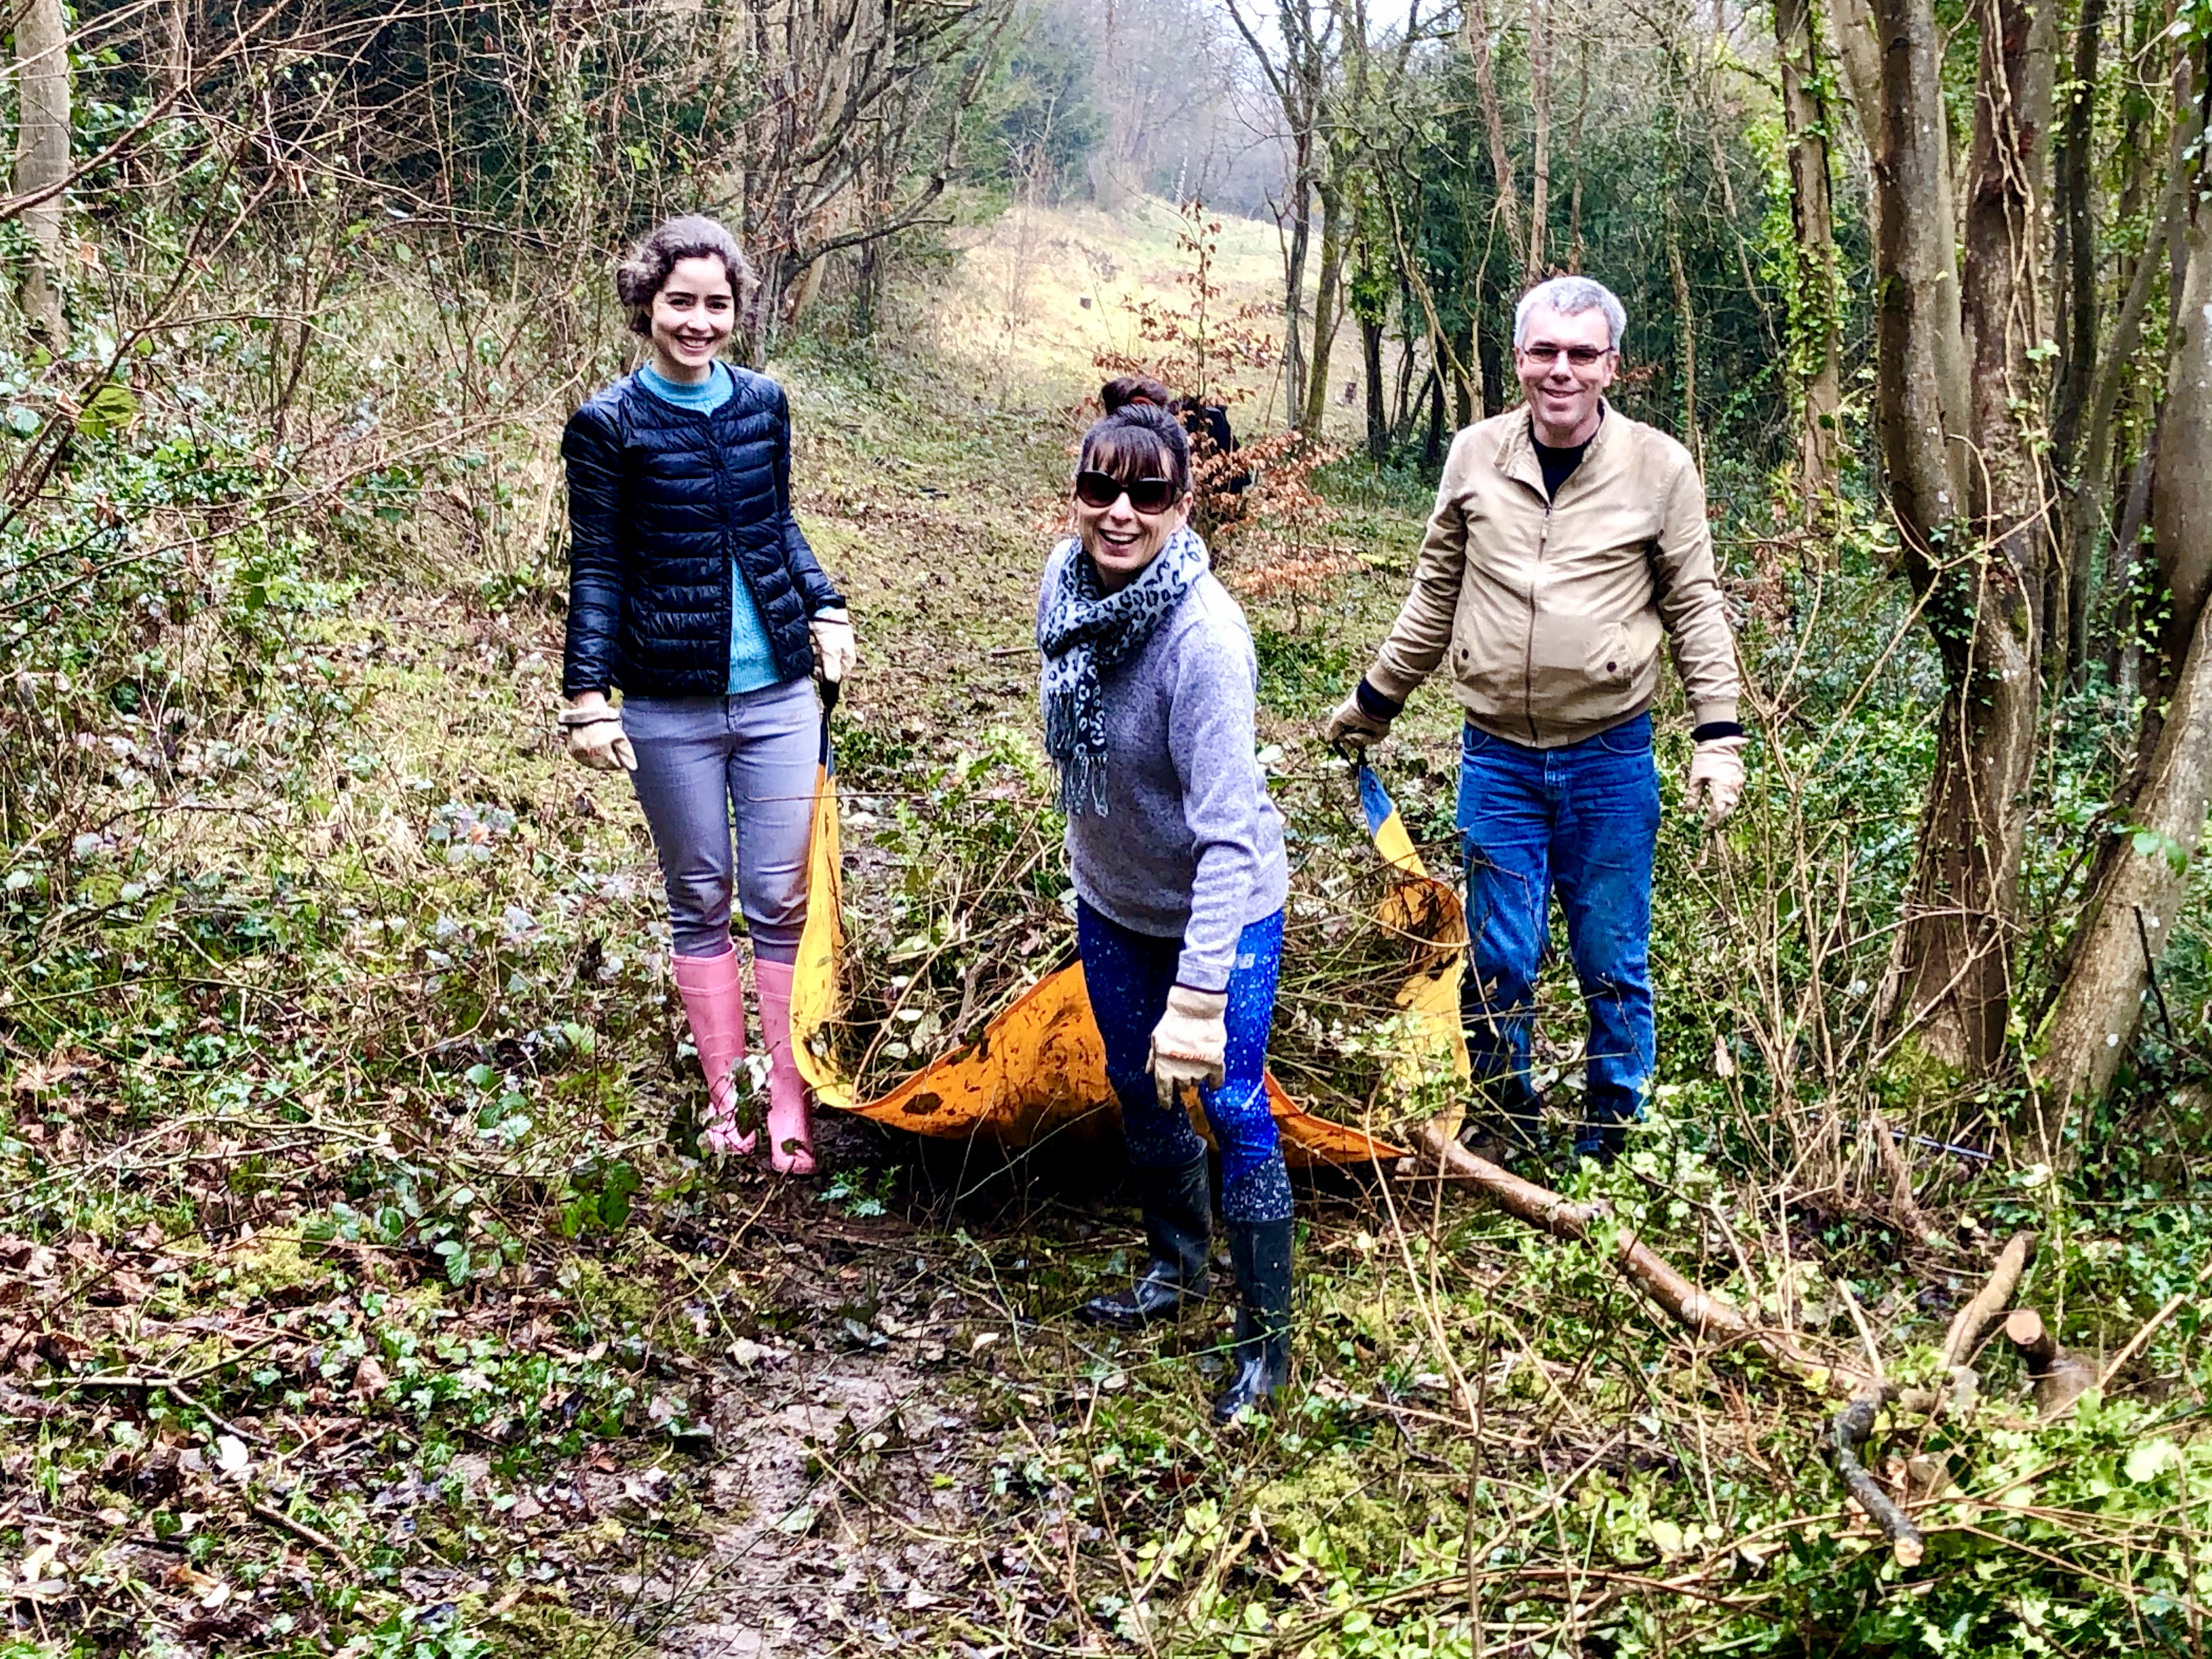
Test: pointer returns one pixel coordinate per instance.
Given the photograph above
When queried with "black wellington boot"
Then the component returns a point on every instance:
(1178, 1208)
(1261, 1251)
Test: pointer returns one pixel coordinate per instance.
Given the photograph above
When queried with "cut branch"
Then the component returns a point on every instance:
(1973, 1324)
(1697, 1310)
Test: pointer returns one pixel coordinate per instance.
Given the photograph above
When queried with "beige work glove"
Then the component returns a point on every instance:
(594, 736)
(835, 650)
(1717, 775)
(1352, 724)
(1191, 1042)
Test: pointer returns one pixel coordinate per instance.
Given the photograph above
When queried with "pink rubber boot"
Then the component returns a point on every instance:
(790, 1131)
(714, 1002)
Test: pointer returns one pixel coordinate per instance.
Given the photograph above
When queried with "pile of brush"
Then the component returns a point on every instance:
(956, 902)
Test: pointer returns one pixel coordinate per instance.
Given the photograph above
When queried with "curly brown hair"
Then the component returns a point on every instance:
(688, 236)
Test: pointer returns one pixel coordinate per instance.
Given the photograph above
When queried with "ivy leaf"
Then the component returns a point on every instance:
(2153, 843)
(107, 411)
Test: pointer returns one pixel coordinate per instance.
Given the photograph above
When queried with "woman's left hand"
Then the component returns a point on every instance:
(1190, 1045)
(835, 650)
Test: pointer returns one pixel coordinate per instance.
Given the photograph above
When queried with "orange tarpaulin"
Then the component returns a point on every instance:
(1039, 1067)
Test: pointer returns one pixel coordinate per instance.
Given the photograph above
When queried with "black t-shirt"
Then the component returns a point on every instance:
(1559, 464)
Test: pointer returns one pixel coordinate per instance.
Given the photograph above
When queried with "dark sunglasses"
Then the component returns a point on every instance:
(1581, 356)
(1100, 491)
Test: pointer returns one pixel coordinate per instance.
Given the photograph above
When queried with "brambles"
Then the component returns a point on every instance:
(956, 902)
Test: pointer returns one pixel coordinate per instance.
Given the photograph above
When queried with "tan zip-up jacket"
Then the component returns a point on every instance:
(1551, 612)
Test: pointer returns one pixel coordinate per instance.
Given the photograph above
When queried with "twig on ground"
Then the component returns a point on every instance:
(1866, 1336)
(134, 1380)
(1847, 1432)
(300, 1530)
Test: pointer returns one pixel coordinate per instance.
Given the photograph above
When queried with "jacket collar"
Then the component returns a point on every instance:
(1517, 449)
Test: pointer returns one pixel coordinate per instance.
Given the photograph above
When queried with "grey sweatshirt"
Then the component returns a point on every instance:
(1190, 848)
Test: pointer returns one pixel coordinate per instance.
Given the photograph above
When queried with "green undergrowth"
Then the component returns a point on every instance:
(347, 1175)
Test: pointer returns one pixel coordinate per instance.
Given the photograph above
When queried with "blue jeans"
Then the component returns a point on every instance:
(1128, 977)
(1582, 820)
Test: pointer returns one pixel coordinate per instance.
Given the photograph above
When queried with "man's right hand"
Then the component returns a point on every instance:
(1353, 723)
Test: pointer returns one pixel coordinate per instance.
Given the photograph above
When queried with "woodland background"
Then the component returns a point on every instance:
(359, 1288)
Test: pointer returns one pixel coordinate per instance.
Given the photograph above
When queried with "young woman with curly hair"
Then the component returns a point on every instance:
(693, 592)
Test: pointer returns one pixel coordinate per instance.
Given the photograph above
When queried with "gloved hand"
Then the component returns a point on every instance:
(835, 650)
(594, 736)
(1717, 774)
(1352, 724)
(1191, 1042)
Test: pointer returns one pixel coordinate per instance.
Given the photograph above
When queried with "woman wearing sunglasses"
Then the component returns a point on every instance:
(691, 588)
(1176, 855)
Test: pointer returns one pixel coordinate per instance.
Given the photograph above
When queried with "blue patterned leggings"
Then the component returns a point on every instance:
(1128, 977)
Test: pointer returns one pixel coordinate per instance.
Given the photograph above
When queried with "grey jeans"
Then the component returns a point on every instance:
(697, 757)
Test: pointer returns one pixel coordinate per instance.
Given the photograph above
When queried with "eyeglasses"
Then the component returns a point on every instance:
(1100, 491)
(1581, 356)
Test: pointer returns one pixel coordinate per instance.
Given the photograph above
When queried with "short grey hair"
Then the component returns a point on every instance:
(1570, 296)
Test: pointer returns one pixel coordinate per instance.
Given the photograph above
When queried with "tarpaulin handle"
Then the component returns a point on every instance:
(829, 690)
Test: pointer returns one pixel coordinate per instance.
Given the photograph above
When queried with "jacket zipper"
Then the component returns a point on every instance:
(1528, 651)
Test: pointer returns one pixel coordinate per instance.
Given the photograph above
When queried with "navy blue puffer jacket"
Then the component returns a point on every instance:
(660, 500)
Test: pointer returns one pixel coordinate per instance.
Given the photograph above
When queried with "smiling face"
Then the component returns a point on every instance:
(1123, 541)
(1563, 395)
(692, 317)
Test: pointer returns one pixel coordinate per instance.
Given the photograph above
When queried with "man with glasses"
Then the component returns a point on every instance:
(1566, 540)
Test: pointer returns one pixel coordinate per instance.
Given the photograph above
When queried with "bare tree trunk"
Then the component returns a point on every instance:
(1981, 584)
(2076, 294)
(1575, 149)
(1851, 24)
(2078, 336)
(1539, 114)
(1474, 35)
(2082, 495)
(1378, 425)
(1294, 289)
(1816, 288)
(1404, 399)
(42, 159)
(1920, 408)
(2144, 874)
(1299, 82)
(1687, 339)
(174, 71)
(1335, 245)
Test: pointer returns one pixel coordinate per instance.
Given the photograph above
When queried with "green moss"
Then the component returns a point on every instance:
(1336, 1508)
(274, 1263)
(1914, 1076)
(620, 1292)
